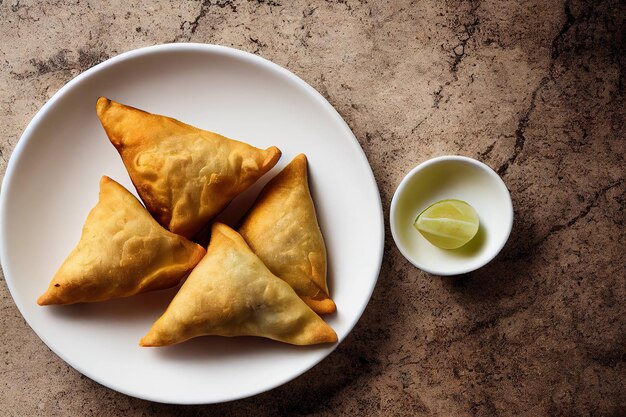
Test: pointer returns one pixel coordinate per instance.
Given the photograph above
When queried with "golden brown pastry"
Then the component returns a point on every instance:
(122, 251)
(232, 293)
(184, 175)
(282, 229)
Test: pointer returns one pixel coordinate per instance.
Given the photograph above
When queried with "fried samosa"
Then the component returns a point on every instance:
(232, 293)
(184, 175)
(282, 229)
(122, 251)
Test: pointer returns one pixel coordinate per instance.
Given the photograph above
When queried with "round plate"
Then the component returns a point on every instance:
(51, 183)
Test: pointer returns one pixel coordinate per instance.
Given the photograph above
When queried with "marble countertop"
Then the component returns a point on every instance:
(534, 89)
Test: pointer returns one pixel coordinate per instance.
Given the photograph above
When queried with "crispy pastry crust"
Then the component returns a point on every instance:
(232, 293)
(122, 251)
(184, 175)
(282, 229)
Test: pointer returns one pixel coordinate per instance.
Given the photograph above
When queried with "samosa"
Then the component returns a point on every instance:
(184, 175)
(232, 293)
(282, 229)
(122, 251)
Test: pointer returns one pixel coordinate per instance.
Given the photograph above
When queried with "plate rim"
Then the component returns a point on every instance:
(18, 152)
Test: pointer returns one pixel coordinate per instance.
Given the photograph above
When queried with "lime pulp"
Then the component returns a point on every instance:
(448, 224)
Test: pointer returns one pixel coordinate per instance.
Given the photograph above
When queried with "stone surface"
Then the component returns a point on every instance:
(535, 89)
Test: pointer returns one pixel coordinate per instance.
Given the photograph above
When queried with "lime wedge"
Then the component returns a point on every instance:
(448, 224)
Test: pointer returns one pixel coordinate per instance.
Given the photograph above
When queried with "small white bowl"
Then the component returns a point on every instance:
(456, 177)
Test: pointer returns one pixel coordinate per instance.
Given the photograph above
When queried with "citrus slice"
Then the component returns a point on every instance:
(448, 224)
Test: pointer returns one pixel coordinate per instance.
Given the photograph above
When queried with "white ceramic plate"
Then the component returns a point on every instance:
(51, 183)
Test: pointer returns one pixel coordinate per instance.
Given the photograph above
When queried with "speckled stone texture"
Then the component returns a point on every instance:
(534, 88)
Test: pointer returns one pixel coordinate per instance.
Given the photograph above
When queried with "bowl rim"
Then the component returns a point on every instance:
(437, 160)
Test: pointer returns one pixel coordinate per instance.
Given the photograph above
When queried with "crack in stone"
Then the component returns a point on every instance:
(17, 8)
(309, 12)
(63, 61)
(482, 325)
(487, 151)
(593, 202)
(204, 7)
(569, 21)
(270, 3)
(418, 125)
(520, 137)
(585, 211)
(437, 95)
(459, 52)
(258, 43)
(192, 25)
(522, 124)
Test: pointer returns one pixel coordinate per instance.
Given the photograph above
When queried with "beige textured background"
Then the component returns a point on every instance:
(533, 88)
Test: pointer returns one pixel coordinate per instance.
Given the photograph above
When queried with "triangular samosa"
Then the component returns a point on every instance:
(122, 251)
(232, 293)
(282, 229)
(184, 175)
